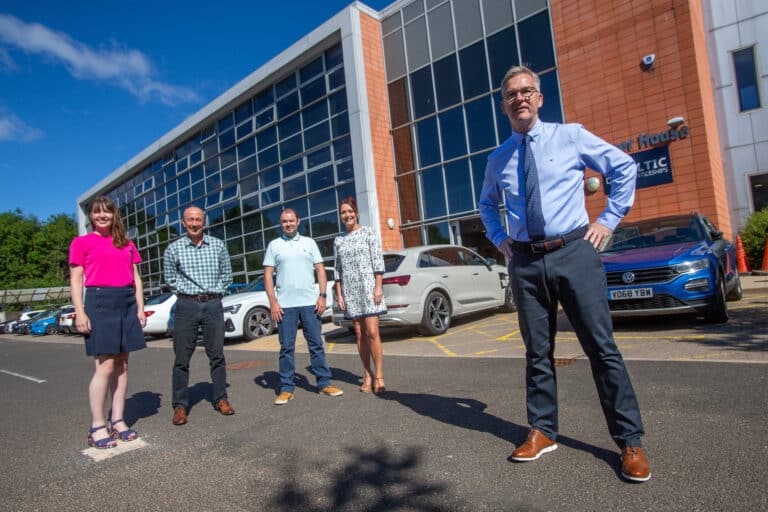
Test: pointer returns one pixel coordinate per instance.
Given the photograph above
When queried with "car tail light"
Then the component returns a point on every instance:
(149, 313)
(71, 316)
(399, 280)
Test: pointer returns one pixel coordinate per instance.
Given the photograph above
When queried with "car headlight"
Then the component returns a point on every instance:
(689, 267)
(233, 309)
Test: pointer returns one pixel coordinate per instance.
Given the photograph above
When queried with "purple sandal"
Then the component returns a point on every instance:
(101, 444)
(126, 435)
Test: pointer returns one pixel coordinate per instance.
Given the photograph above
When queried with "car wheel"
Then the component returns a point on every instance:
(509, 301)
(717, 313)
(257, 323)
(437, 315)
(50, 329)
(736, 291)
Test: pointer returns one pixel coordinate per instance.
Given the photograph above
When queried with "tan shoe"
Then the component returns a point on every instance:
(283, 398)
(533, 447)
(634, 465)
(331, 391)
(224, 407)
(179, 415)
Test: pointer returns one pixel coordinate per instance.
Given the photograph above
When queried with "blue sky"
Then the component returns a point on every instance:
(86, 85)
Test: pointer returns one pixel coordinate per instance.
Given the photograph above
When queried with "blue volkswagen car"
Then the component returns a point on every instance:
(671, 265)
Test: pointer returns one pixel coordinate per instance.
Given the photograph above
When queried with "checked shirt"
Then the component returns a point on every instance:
(192, 270)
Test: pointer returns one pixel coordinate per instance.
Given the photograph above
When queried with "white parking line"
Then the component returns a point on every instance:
(33, 379)
(122, 447)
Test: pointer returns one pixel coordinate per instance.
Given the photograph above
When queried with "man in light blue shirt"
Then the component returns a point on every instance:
(538, 175)
(296, 259)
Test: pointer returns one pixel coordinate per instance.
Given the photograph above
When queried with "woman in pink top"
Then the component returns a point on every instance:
(111, 317)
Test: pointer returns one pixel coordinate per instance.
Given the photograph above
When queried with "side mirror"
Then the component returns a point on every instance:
(490, 262)
(717, 235)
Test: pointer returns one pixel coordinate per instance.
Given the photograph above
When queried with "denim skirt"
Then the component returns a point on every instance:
(115, 328)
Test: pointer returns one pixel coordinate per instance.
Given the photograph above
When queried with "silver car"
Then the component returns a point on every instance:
(428, 286)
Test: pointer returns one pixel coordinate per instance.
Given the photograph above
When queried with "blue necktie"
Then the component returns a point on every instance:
(534, 216)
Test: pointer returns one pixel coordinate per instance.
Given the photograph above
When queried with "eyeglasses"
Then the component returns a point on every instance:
(525, 94)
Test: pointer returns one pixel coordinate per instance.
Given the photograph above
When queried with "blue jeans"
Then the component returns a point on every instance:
(574, 277)
(286, 331)
(189, 315)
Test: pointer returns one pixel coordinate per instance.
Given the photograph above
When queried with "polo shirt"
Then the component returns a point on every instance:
(294, 261)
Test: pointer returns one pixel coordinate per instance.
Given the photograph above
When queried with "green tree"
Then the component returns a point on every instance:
(34, 254)
(753, 236)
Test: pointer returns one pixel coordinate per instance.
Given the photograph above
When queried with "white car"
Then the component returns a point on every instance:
(157, 310)
(427, 286)
(246, 313)
(66, 320)
(27, 315)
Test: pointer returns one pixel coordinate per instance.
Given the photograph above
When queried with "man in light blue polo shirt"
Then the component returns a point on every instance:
(296, 259)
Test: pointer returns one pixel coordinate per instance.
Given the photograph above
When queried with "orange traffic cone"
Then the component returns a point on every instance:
(741, 257)
(764, 268)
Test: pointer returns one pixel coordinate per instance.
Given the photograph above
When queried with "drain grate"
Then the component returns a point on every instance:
(247, 364)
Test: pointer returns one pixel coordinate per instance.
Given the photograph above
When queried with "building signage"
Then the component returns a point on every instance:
(651, 139)
(653, 168)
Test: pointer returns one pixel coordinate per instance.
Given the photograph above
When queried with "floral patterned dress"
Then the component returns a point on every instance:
(358, 259)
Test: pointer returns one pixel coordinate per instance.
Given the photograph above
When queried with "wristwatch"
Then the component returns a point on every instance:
(323, 295)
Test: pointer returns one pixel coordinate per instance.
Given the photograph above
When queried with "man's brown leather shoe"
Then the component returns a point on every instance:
(224, 407)
(533, 447)
(634, 465)
(179, 415)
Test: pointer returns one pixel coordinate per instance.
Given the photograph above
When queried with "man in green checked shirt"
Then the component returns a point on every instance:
(198, 270)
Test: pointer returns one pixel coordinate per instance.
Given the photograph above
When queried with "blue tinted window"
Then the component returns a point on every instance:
(244, 129)
(321, 178)
(286, 85)
(502, 54)
(246, 148)
(229, 176)
(184, 197)
(294, 188)
(196, 173)
(183, 180)
(267, 137)
(247, 166)
(270, 196)
(502, 121)
(211, 166)
(213, 182)
(474, 72)
(447, 79)
(345, 171)
(433, 192)
(288, 105)
(249, 185)
(536, 42)
(479, 162)
(265, 118)
(226, 139)
(480, 126)
(292, 167)
(319, 157)
(227, 157)
(301, 208)
(243, 112)
(452, 131)
(313, 91)
(458, 186)
(338, 102)
(229, 193)
(322, 202)
(428, 143)
(333, 57)
(317, 135)
(315, 113)
(550, 88)
(336, 79)
(198, 190)
(311, 70)
(326, 224)
(421, 89)
(342, 149)
(746, 79)
(339, 125)
(269, 178)
(211, 148)
(289, 126)
(268, 157)
(290, 147)
(263, 100)
(225, 122)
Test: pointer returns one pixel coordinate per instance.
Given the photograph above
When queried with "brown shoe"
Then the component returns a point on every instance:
(533, 447)
(179, 415)
(224, 407)
(634, 465)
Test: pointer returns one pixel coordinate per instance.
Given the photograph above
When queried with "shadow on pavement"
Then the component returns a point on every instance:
(271, 380)
(373, 480)
(141, 405)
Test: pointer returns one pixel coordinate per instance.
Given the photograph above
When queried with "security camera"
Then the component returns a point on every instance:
(648, 61)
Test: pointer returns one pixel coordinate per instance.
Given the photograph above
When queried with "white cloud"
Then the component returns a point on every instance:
(123, 67)
(13, 128)
(5, 60)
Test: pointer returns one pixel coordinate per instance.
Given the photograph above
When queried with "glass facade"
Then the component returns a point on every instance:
(746, 79)
(288, 145)
(444, 62)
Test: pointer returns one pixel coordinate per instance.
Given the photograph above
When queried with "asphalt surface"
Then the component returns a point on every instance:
(438, 440)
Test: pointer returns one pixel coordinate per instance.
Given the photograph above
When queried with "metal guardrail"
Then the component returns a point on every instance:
(27, 295)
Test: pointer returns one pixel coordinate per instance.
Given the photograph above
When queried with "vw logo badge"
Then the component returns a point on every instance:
(628, 277)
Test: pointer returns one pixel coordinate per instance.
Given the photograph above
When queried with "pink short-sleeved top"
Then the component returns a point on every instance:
(103, 263)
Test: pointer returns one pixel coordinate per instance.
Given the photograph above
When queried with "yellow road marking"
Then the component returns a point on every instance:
(442, 347)
(483, 352)
(330, 347)
(507, 336)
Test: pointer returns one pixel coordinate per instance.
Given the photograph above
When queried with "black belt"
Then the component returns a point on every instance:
(200, 297)
(550, 244)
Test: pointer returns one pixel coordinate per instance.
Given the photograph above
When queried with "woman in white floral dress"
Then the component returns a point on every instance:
(359, 269)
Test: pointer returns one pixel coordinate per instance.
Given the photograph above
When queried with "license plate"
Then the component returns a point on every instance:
(631, 293)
